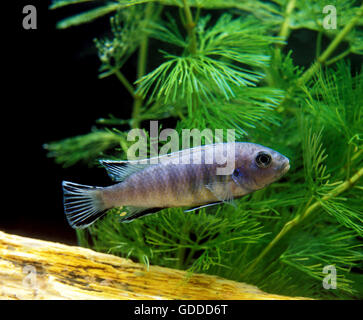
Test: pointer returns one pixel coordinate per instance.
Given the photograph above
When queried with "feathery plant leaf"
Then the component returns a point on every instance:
(335, 103)
(84, 148)
(336, 100)
(219, 64)
(229, 71)
(339, 247)
(178, 79)
(87, 16)
(200, 234)
(251, 108)
(357, 42)
(308, 14)
(314, 157)
(345, 213)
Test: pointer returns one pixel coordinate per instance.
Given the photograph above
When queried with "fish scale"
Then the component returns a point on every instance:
(144, 186)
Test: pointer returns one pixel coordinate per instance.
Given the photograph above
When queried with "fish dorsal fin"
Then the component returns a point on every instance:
(185, 156)
(120, 170)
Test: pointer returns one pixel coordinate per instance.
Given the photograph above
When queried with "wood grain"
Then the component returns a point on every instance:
(37, 269)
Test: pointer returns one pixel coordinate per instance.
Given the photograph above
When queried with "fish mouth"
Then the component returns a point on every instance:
(285, 167)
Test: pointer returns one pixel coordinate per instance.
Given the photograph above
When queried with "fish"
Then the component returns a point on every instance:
(197, 177)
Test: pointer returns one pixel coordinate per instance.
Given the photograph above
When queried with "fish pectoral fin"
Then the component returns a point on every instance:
(133, 213)
(222, 191)
(203, 206)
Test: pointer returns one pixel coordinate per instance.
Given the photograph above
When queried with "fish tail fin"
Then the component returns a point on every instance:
(83, 205)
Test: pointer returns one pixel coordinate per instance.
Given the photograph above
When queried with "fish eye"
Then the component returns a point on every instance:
(263, 160)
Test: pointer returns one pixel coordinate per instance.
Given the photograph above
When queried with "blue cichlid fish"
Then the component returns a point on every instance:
(190, 177)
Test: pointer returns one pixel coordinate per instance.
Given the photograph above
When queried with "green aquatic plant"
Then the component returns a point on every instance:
(224, 64)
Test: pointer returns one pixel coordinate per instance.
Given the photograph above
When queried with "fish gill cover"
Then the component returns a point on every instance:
(223, 64)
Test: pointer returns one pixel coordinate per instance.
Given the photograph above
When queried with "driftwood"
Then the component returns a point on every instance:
(36, 269)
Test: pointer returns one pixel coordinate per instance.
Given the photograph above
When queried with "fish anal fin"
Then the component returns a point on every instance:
(133, 213)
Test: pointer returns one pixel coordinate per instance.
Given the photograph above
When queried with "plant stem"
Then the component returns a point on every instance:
(285, 27)
(141, 68)
(125, 82)
(349, 159)
(335, 192)
(331, 48)
(189, 257)
(290, 224)
(135, 123)
(284, 32)
(190, 27)
(182, 248)
(356, 154)
(338, 57)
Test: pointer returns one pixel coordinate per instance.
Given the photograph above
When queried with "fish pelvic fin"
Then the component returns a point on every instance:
(83, 204)
(203, 206)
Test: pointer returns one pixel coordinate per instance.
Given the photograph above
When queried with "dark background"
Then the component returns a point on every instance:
(51, 91)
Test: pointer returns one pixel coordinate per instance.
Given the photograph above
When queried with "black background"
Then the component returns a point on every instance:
(50, 91)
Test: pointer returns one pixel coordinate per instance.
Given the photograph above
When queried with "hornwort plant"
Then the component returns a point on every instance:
(232, 64)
